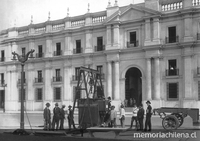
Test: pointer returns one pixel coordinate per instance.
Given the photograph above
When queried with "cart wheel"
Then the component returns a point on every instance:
(179, 117)
(170, 122)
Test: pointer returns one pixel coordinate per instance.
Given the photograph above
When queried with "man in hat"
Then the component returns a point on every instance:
(62, 117)
(47, 117)
(70, 117)
(56, 117)
(148, 116)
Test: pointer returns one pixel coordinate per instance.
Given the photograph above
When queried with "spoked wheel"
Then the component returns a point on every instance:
(179, 117)
(170, 122)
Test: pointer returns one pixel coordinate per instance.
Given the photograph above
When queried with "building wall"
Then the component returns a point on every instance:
(150, 56)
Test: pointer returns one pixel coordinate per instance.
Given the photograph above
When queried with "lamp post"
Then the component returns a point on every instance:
(22, 59)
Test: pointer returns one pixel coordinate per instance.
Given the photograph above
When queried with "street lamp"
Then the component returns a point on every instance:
(22, 59)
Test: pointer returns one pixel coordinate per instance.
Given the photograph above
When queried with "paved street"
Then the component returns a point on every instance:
(10, 122)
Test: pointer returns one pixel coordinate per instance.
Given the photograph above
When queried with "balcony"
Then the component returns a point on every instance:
(19, 81)
(39, 80)
(77, 50)
(172, 72)
(132, 44)
(2, 83)
(99, 48)
(57, 79)
(174, 39)
(57, 53)
(39, 55)
(76, 77)
(2, 59)
(102, 76)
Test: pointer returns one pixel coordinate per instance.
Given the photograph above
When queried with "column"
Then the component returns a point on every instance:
(147, 30)
(116, 36)
(30, 92)
(49, 49)
(68, 45)
(148, 81)
(48, 96)
(116, 81)
(188, 77)
(109, 79)
(31, 45)
(156, 30)
(67, 85)
(157, 79)
(109, 38)
(88, 42)
(188, 28)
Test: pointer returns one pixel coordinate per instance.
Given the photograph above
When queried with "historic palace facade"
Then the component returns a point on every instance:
(146, 51)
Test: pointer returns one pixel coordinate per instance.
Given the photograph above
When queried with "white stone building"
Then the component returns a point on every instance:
(147, 51)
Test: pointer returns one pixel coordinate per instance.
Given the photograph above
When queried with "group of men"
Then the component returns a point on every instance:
(58, 117)
(138, 116)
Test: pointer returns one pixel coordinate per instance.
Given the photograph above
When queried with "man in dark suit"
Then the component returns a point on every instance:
(70, 117)
(56, 117)
(140, 116)
(62, 117)
(148, 116)
(47, 117)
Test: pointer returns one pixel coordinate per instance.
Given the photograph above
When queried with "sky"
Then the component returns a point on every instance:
(18, 12)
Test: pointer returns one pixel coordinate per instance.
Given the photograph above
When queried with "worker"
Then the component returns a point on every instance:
(70, 117)
(56, 117)
(62, 117)
(134, 116)
(149, 112)
(47, 117)
(122, 116)
(140, 117)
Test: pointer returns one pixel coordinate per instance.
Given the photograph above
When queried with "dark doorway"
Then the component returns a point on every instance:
(2, 99)
(133, 87)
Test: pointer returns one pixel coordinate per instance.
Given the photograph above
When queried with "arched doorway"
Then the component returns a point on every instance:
(133, 86)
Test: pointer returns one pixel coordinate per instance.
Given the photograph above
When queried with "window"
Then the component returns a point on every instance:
(99, 44)
(58, 49)
(23, 51)
(2, 78)
(78, 46)
(100, 69)
(2, 56)
(57, 93)
(100, 92)
(39, 94)
(24, 95)
(39, 76)
(58, 75)
(132, 40)
(172, 34)
(77, 71)
(76, 93)
(198, 90)
(172, 91)
(40, 52)
(172, 67)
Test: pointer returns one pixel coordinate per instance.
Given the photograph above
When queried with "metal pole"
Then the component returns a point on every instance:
(22, 97)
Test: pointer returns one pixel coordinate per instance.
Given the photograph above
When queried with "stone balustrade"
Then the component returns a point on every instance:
(24, 32)
(58, 26)
(40, 30)
(78, 23)
(195, 2)
(98, 19)
(172, 6)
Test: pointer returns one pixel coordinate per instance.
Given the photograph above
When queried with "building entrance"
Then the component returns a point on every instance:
(133, 87)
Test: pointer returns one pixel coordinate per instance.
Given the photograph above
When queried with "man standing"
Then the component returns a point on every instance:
(148, 116)
(47, 117)
(70, 117)
(134, 117)
(56, 117)
(62, 117)
(140, 116)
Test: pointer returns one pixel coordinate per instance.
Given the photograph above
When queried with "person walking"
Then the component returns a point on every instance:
(148, 116)
(70, 118)
(62, 117)
(134, 116)
(56, 117)
(47, 117)
(122, 116)
(140, 117)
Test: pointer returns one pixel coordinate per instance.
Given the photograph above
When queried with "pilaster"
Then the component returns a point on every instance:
(49, 49)
(148, 81)
(116, 81)
(109, 38)
(109, 79)
(88, 42)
